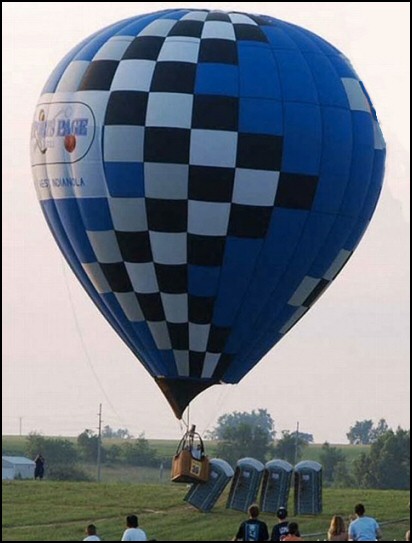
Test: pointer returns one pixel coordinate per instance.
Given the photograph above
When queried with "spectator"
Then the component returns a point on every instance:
(91, 533)
(408, 535)
(252, 529)
(363, 528)
(132, 532)
(294, 534)
(337, 529)
(282, 527)
(39, 469)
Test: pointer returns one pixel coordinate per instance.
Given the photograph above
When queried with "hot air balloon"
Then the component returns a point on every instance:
(206, 175)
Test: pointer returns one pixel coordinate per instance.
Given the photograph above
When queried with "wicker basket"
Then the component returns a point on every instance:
(190, 465)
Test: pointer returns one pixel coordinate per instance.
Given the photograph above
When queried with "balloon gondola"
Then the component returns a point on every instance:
(190, 463)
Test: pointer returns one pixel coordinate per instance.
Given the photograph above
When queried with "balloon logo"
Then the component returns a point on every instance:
(210, 177)
(70, 143)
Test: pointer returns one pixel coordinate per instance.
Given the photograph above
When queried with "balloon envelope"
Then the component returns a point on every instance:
(207, 175)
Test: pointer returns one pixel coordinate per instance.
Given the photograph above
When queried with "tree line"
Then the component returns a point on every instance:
(384, 465)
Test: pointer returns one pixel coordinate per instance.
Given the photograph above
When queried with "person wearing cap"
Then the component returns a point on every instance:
(282, 527)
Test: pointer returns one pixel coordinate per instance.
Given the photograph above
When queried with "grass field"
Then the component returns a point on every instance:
(57, 511)
(53, 511)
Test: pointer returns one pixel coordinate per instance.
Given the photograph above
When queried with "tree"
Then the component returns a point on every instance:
(139, 453)
(289, 447)
(108, 432)
(307, 438)
(363, 472)
(121, 433)
(244, 434)
(342, 476)
(113, 454)
(54, 450)
(88, 442)
(260, 418)
(242, 441)
(387, 465)
(381, 429)
(330, 457)
(365, 433)
(361, 433)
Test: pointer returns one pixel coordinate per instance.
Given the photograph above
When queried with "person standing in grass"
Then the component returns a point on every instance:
(282, 527)
(39, 469)
(252, 529)
(91, 533)
(337, 529)
(132, 532)
(363, 528)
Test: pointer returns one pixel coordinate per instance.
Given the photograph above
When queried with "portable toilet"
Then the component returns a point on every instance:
(277, 479)
(308, 488)
(203, 496)
(245, 484)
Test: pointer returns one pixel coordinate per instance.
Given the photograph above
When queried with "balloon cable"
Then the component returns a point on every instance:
(222, 397)
(83, 344)
(188, 417)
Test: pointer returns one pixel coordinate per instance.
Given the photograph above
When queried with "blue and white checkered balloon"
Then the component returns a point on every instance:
(207, 175)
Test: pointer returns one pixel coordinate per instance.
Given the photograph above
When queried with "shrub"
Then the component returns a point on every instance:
(67, 473)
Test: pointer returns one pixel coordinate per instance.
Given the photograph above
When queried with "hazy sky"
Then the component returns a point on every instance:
(347, 360)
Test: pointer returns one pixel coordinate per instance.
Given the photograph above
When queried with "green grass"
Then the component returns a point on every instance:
(53, 511)
(128, 474)
(13, 445)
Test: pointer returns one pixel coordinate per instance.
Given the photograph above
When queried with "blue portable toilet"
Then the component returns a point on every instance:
(308, 488)
(245, 484)
(277, 478)
(203, 496)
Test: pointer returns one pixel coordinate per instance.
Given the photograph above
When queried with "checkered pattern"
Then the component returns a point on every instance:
(203, 178)
(311, 288)
(242, 160)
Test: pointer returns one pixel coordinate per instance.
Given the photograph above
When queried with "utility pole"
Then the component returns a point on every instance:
(99, 444)
(296, 443)
(20, 425)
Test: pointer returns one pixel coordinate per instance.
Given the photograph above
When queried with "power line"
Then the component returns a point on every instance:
(99, 444)
(297, 443)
